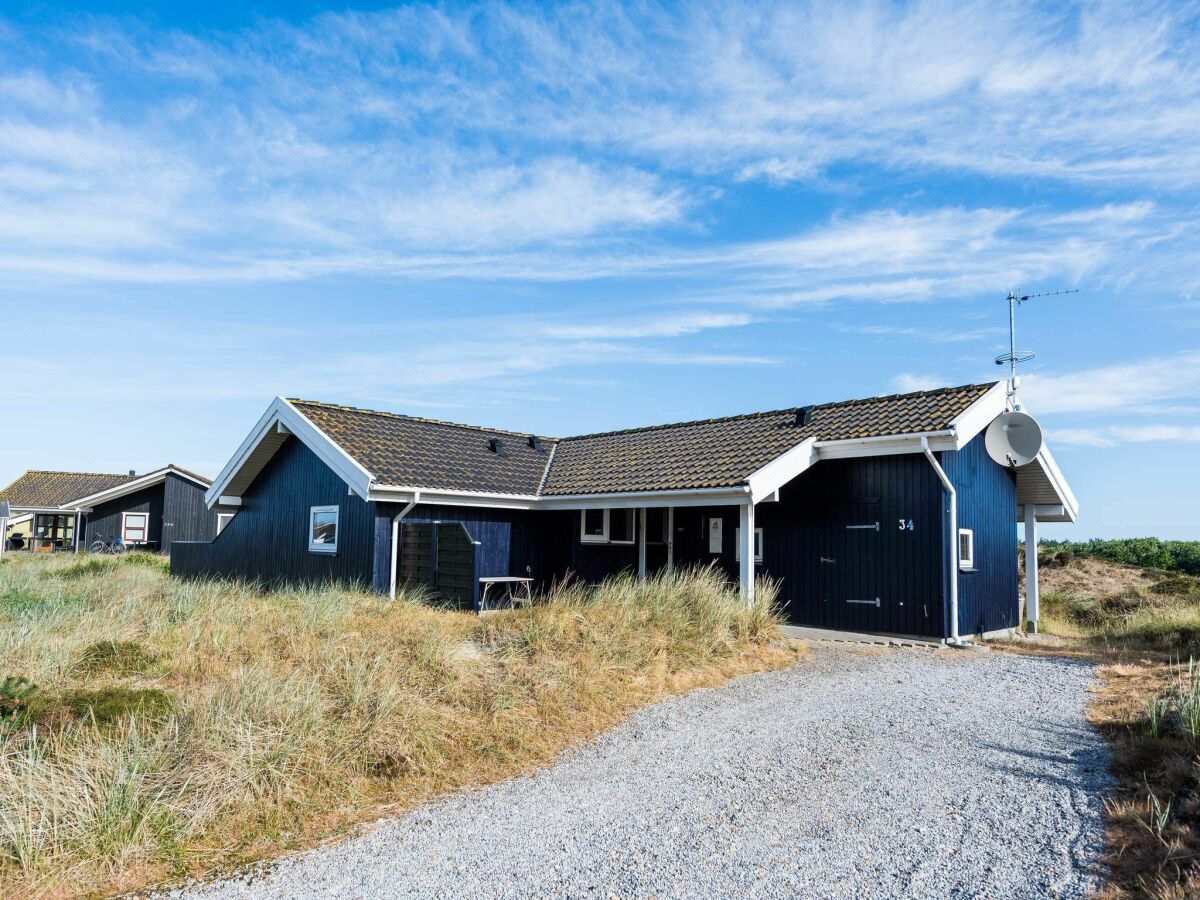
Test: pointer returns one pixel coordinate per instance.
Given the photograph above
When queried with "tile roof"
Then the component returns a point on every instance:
(426, 453)
(409, 451)
(52, 489)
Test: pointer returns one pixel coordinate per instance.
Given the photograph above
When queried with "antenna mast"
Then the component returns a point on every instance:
(1014, 356)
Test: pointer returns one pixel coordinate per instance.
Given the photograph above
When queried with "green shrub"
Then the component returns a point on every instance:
(106, 706)
(15, 692)
(115, 657)
(1174, 587)
(1172, 556)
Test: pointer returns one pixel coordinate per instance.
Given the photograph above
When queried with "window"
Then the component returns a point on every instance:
(607, 526)
(223, 519)
(966, 548)
(322, 529)
(135, 527)
(620, 526)
(593, 526)
(758, 545)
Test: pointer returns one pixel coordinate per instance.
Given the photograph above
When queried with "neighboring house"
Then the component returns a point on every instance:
(846, 505)
(72, 510)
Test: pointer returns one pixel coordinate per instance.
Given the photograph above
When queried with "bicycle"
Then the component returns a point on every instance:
(115, 547)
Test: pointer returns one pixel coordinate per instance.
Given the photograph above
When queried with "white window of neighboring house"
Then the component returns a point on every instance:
(607, 526)
(758, 545)
(223, 519)
(966, 548)
(322, 529)
(135, 527)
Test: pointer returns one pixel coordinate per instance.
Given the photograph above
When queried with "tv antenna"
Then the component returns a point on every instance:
(1014, 356)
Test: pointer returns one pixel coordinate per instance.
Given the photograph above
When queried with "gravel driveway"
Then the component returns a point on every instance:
(857, 773)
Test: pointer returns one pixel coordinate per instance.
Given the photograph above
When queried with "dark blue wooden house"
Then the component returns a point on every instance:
(883, 515)
(73, 510)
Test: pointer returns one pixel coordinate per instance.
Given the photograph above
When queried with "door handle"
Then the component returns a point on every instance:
(826, 559)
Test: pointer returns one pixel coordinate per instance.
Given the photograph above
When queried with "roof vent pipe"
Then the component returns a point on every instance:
(803, 416)
(495, 445)
(132, 472)
(534, 442)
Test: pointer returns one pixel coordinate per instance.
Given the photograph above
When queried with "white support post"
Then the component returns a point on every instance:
(1031, 567)
(3, 534)
(75, 530)
(670, 540)
(746, 551)
(642, 544)
(416, 498)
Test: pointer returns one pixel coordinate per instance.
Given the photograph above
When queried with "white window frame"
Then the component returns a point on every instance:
(758, 545)
(223, 520)
(145, 529)
(966, 561)
(584, 537)
(606, 537)
(316, 547)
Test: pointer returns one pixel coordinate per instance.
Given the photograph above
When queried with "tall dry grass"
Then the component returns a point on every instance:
(186, 727)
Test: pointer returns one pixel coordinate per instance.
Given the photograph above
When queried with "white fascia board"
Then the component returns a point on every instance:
(1058, 481)
(1044, 513)
(782, 469)
(280, 412)
(886, 445)
(726, 496)
(265, 423)
(387, 493)
(148, 480)
(355, 475)
(46, 510)
(979, 415)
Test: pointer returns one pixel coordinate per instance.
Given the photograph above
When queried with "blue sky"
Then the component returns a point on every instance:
(578, 218)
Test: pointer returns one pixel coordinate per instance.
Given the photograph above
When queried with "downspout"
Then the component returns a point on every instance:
(416, 498)
(954, 639)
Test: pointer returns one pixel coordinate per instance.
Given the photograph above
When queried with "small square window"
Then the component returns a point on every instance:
(322, 529)
(223, 519)
(966, 548)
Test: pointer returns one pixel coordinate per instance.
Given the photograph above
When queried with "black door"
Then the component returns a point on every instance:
(851, 596)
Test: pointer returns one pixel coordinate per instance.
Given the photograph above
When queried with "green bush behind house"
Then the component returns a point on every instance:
(1173, 556)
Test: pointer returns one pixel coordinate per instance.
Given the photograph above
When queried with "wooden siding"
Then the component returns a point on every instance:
(510, 540)
(185, 517)
(104, 522)
(267, 540)
(988, 597)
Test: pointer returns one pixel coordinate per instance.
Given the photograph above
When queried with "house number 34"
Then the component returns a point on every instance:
(907, 525)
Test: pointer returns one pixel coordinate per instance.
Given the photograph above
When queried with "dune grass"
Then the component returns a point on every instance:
(181, 728)
(1144, 625)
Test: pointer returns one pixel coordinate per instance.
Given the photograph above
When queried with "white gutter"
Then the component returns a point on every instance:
(954, 639)
(416, 498)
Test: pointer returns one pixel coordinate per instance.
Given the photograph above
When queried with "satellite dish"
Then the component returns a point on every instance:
(1013, 439)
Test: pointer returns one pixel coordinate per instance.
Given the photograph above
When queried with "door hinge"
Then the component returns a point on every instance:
(874, 602)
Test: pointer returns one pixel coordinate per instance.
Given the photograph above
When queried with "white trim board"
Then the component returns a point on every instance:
(128, 487)
(282, 419)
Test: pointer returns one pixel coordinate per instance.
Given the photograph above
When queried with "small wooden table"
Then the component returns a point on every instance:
(512, 582)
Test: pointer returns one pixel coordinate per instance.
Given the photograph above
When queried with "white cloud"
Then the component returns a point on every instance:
(1110, 389)
(907, 382)
(663, 326)
(542, 142)
(1118, 434)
